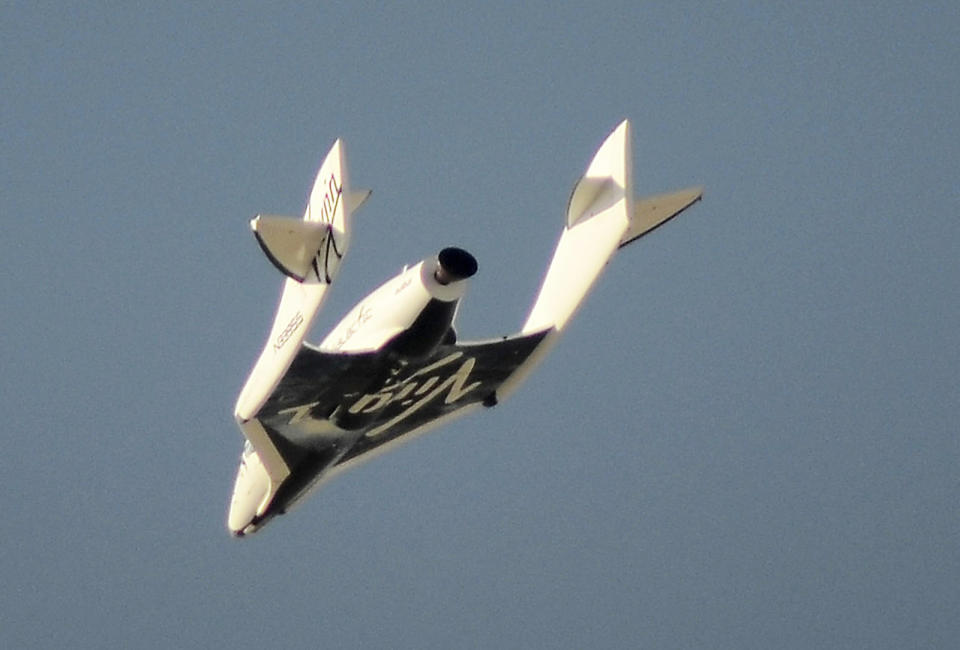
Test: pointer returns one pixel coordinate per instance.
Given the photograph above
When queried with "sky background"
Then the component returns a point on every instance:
(747, 438)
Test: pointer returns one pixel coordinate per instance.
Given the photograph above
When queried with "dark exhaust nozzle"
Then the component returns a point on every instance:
(454, 264)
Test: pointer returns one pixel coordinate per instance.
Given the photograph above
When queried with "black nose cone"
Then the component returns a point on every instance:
(455, 264)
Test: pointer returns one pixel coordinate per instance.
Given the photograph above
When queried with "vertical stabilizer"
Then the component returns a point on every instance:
(598, 215)
(328, 206)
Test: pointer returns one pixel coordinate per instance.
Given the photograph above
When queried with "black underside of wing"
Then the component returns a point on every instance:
(332, 408)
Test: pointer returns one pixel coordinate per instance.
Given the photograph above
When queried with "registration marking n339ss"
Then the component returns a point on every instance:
(288, 331)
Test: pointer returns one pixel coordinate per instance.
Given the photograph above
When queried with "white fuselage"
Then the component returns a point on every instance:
(391, 309)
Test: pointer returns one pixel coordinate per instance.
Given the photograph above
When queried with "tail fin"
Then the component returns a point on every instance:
(309, 251)
(602, 216)
(598, 216)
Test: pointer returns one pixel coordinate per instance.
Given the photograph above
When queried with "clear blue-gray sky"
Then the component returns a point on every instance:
(747, 439)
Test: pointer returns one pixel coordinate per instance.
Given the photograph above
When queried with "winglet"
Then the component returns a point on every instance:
(652, 212)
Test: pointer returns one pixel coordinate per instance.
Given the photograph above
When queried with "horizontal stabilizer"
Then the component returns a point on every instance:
(653, 211)
(291, 244)
(356, 198)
